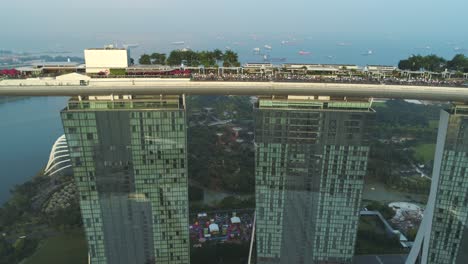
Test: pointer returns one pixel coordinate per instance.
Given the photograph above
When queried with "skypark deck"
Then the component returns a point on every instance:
(153, 86)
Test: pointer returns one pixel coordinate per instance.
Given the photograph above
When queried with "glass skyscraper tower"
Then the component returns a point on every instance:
(129, 158)
(443, 234)
(311, 159)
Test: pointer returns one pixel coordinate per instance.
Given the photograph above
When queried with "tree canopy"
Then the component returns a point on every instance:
(434, 63)
(145, 59)
(193, 58)
(429, 63)
(458, 63)
(158, 58)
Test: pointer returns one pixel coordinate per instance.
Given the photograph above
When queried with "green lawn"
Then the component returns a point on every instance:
(424, 152)
(67, 248)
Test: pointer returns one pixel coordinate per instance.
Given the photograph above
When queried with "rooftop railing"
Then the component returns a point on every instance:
(125, 104)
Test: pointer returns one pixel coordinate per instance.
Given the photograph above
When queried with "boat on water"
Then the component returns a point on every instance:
(459, 49)
(253, 36)
(288, 43)
(268, 47)
(368, 53)
(303, 53)
(278, 59)
(343, 44)
(267, 58)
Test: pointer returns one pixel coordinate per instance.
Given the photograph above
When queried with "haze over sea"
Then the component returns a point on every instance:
(391, 29)
(346, 48)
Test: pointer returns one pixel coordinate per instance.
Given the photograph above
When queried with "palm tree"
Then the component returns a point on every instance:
(230, 58)
(218, 54)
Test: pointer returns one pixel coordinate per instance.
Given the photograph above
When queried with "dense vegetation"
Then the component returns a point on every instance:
(227, 203)
(458, 63)
(398, 113)
(372, 238)
(192, 58)
(404, 135)
(214, 167)
(217, 169)
(23, 223)
(219, 165)
(241, 105)
(22, 209)
(383, 209)
(384, 161)
(20, 249)
(220, 254)
(69, 247)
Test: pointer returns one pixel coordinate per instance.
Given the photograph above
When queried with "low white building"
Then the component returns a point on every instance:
(235, 220)
(381, 68)
(62, 80)
(104, 59)
(73, 77)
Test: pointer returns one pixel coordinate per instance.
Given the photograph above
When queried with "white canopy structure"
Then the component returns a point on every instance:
(214, 228)
(59, 158)
(235, 220)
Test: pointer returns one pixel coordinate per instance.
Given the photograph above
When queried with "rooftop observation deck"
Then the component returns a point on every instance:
(315, 103)
(178, 86)
(185, 86)
(103, 103)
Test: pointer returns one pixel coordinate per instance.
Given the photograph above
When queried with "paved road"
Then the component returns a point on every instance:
(243, 88)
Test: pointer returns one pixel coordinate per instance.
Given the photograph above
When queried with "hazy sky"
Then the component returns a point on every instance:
(69, 25)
